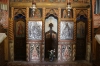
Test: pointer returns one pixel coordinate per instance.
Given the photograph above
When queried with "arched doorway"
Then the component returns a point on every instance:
(51, 35)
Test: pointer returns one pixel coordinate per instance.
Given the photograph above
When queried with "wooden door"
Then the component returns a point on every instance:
(19, 36)
(51, 42)
(81, 38)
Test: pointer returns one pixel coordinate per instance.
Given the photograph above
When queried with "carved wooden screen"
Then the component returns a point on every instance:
(81, 35)
(19, 35)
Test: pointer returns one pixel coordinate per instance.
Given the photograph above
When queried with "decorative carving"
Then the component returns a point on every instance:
(43, 49)
(66, 52)
(59, 53)
(52, 11)
(74, 52)
(19, 11)
(89, 38)
(88, 51)
(27, 52)
(34, 52)
(11, 50)
(11, 36)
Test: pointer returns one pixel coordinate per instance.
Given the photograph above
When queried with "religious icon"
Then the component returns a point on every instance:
(37, 13)
(66, 31)
(35, 30)
(80, 29)
(66, 14)
(20, 29)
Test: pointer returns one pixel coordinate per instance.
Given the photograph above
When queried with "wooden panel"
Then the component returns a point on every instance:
(81, 34)
(98, 52)
(2, 53)
(80, 49)
(20, 49)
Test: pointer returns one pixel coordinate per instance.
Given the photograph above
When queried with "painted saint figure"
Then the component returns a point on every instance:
(20, 29)
(64, 14)
(66, 32)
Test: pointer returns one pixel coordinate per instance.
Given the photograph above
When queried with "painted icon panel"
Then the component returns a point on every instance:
(66, 30)
(35, 30)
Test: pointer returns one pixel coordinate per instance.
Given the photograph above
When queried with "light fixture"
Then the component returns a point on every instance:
(68, 8)
(33, 7)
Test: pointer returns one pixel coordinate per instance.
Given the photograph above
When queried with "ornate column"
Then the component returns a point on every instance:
(88, 46)
(43, 41)
(74, 44)
(27, 45)
(11, 36)
(59, 46)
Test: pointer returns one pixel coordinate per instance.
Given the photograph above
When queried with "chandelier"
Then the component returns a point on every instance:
(33, 7)
(68, 8)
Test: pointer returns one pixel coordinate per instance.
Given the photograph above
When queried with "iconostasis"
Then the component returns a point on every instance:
(51, 29)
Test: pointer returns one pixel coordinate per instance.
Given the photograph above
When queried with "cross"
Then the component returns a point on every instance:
(50, 25)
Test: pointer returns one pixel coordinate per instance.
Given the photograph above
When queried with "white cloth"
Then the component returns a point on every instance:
(97, 37)
(2, 36)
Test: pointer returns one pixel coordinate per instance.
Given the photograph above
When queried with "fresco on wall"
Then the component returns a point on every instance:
(66, 30)
(34, 52)
(66, 52)
(35, 30)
